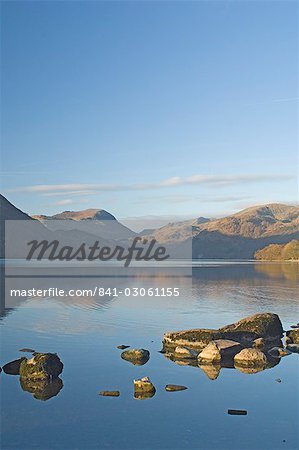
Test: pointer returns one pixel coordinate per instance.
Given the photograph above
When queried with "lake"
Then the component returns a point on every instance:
(85, 333)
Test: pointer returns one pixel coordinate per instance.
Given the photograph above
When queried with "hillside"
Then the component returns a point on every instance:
(279, 252)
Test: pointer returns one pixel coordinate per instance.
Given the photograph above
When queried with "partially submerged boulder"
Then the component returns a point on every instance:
(175, 387)
(109, 393)
(144, 388)
(13, 367)
(137, 356)
(42, 366)
(218, 350)
(185, 353)
(263, 325)
(292, 336)
(250, 357)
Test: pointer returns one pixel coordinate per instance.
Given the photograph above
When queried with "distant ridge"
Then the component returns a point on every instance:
(86, 214)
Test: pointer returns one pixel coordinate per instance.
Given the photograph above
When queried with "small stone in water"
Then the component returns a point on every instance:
(122, 347)
(27, 350)
(237, 412)
(278, 380)
(174, 387)
(110, 393)
(295, 326)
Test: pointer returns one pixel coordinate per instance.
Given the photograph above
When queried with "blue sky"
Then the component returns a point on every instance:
(173, 109)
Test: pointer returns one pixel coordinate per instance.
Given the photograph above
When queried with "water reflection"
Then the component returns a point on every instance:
(42, 389)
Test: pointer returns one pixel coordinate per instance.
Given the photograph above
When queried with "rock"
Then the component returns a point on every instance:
(250, 357)
(212, 371)
(259, 343)
(219, 349)
(137, 356)
(122, 347)
(237, 412)
(293, 336)
(26, 350)
(144, 388)
(185, 353)
(278, 352)
(294, 326)
(174, 387)
(42, 389)
(110, 393)
(294, 348)
(13, 367)
(43, 366)
(278, 380)
(264, 325)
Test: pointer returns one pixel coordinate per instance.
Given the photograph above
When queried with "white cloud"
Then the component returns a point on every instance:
(211, 180)
(66, 201)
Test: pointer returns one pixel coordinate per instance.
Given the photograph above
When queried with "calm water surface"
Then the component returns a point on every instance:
(85, 332)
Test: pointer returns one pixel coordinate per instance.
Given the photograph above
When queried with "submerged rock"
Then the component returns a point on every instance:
(42, 366)
(122, 347)
(250, 357)
(293, 336)
(27, 350)
(13, 367)
(264, 325)
(144, 388)
(218, 350)
(110, 393)
(175, 387)
(278, 352)
(42, 389)
(185, 353)
(137, 356)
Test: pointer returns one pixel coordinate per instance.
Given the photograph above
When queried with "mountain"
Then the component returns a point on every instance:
(9, 212)
(258, 221)
(237, 236)
(96, 222)
(87, 214)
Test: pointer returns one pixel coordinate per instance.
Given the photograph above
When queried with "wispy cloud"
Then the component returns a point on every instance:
(198, 179)
(66, 201)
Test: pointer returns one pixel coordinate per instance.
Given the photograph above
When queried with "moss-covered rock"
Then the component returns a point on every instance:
(264, 325)
(43, 366)
(144, 388)
(13, 367)
(293, 336)
(137, 356)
